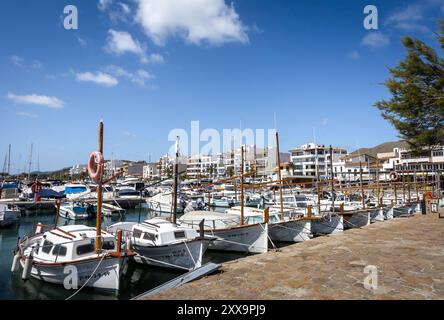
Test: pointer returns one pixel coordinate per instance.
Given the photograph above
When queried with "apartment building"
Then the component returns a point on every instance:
(311, 157)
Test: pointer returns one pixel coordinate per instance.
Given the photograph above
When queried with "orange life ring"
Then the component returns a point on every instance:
(95, 166)
(393, 176)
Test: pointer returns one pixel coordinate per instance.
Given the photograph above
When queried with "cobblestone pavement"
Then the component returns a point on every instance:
(408, 254)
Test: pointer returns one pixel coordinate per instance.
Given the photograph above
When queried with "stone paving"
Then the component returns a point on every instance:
(408, 254)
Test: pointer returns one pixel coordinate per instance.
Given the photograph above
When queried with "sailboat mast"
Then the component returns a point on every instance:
(30, 163)
(278, 160)
(99, 197)
(9, 160)
(176, 174)
(242, 185)
(332, 179)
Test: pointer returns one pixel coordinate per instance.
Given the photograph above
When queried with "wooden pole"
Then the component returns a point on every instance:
(332, 180)
(377, 183)
(361, 184)
(242, 185)
(278, 160)
(56, 222)
(176, 182)
(99, 197)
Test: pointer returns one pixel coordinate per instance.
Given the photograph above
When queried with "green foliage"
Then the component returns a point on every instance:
(416, 108)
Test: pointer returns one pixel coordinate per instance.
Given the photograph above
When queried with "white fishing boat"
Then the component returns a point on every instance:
(163, 203)
(67, 256)
(77, 210)
(230, 234)
(8, 216)
(294, 227)
(327, 223)
(356, 219)
(160, 243)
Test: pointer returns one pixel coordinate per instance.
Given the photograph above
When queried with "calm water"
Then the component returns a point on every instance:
(138, 279)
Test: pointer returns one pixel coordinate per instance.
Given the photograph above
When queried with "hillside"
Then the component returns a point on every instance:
(384, 147)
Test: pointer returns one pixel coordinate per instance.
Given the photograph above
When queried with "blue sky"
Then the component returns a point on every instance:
(148, 66)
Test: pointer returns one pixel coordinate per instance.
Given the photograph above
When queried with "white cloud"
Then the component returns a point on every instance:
(82, 41)
(21, 63)
(375, 40)
(99, 78)
(410, 14)
(121, 42)
(104, 4)
(27, 115)
(354, 55)
(125, 8)
(156, 58)
(17, 61)
(140, 77)
(51, 102)
(196, 21)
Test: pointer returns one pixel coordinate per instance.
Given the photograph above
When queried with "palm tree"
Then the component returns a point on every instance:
(291, 167)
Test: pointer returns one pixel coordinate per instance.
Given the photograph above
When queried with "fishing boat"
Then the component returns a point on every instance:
(163, 203)
(327, 223)
(230, 234)
(158, 242)
(8, 216)
(55, 255)
(77, 210)
(75, 255)
(293, 228)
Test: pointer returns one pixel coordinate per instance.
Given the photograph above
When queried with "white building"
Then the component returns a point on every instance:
(310, 158)
(77, 169)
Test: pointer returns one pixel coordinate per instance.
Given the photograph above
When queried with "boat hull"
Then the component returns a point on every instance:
(356, 220)
(106, 277)
(377, 215)
(175, 256)
(327, 226)
(290, 231)
(247, 239)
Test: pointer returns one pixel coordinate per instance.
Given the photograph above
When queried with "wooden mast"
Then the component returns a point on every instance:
(176, 174)
(242, 185)
(332, 179)
(362, 185)
(278, 160)
(99, 196)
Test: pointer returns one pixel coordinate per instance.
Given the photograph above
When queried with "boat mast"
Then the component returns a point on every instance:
(9, 160)
(30, 163)
(99, 197)
(242, 185)
(278, 160)
(332, 180)
(176, 174)
(361, 183)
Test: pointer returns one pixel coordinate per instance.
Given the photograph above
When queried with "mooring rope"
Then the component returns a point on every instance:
(90, 277)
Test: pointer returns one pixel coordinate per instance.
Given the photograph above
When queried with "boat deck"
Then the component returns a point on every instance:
(408, 254)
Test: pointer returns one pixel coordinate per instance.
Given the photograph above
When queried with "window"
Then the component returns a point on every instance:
(84, 249)
(137, 233)
(59, 251)
(179, 234)
(108, 245)
(149, 236)
(47, 246)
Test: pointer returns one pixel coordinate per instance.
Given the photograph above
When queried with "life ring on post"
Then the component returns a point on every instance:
(393, 176)
(95, 166)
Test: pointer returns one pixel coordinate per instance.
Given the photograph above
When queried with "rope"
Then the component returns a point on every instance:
(75, 293)
(192, 258)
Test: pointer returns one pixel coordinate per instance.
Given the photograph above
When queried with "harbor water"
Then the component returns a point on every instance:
(137, 280)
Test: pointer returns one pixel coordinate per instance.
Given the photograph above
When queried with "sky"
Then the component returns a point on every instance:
(308, 68)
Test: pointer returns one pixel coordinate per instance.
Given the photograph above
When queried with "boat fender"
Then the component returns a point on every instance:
(95, 165)
(39, 227)
(28, 265)
(15, 262)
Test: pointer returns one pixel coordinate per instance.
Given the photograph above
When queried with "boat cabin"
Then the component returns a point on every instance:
(68, 243)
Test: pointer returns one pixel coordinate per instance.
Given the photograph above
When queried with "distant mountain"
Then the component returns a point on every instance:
(384, 147)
